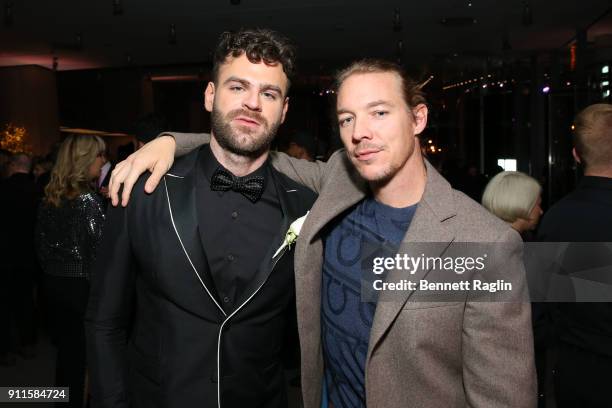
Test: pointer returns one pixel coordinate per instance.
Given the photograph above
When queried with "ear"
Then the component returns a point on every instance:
(209, 96)
(420, 113)
(576, 157)
(285, 107)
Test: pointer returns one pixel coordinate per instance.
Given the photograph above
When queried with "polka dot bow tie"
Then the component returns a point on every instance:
(250, 187)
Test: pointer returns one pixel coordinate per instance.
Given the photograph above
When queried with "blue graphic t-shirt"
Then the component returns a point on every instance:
(368, 230)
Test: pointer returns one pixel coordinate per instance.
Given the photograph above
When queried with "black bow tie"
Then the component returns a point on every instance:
(250, 187)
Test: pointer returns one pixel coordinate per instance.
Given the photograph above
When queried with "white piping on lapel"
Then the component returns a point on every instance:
(221, 331)
(174, 175)
(291, 191)
(185, 251)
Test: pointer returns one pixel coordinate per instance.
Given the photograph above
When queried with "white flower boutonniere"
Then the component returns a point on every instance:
(292, 234)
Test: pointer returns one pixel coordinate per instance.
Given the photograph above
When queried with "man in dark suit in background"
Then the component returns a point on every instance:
(191, 296)
(584, 330)
(18, 205)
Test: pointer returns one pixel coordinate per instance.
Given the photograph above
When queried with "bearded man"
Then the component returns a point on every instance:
(191, 297)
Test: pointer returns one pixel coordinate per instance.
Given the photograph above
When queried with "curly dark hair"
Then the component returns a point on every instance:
(257, 44)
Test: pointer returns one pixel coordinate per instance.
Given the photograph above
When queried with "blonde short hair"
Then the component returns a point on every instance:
(511, 195)
(593, 136)
(70, 175)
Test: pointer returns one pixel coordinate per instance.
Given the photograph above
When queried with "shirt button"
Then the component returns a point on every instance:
(226, 299)
(230, 257)
(234, 215)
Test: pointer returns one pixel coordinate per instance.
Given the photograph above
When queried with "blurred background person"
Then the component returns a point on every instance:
(301, 145)
(145, 129)
(69, 228)
(474, 182)
(41, 171)
(584, 329)
(5, 159)
(516, 198)
(18, 272)
(148, 127)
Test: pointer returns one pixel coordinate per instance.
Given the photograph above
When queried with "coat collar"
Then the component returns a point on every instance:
(344, 189)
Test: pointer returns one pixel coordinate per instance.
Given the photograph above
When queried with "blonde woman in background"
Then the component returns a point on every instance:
(515, 198)
(69, 228)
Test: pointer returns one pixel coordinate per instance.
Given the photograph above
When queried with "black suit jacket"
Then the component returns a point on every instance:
(20, 197)
(585, 215)
(157, 336)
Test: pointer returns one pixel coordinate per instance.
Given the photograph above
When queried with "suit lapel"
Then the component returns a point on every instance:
(428, 236)
(181, 192)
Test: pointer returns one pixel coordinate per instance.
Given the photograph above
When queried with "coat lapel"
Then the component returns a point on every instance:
(427, 235)
(341, 192)
(181, 193)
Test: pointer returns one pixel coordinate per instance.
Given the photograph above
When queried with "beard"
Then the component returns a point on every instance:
(242, 141)
(378, 174)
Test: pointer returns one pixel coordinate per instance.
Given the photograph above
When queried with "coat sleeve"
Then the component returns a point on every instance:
(187, 142)
(108, 314)
(307, 173)
(498, 354)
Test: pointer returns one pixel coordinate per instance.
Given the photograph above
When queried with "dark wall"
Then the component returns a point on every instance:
(109, 100)
(28, 98)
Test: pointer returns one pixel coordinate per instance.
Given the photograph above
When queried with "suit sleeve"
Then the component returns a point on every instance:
(108, 314)
(498, 355)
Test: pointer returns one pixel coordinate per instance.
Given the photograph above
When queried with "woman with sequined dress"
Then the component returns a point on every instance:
(69, 228)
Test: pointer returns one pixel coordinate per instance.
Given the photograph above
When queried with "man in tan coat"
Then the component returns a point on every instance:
(399, 349)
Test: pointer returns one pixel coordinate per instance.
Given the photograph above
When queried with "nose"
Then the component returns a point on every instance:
(252, 101)
(361, 130)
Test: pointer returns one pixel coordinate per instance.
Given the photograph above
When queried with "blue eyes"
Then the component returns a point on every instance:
(376, 114)
(268, 95)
